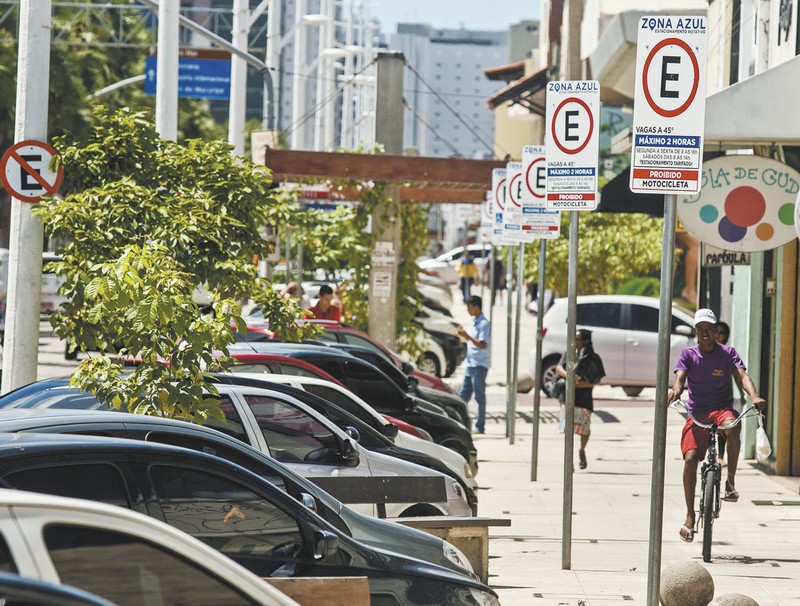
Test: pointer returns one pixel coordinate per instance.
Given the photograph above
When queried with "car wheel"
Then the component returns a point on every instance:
(430, 364)
(549, 375)
(632, 391)
(420, 510)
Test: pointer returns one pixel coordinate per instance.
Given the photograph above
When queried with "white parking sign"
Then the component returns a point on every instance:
(573, 124)
(669, 105)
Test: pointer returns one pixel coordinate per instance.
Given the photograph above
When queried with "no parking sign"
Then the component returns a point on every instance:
(25, 171)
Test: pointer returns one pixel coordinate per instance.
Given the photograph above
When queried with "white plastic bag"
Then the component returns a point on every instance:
(763, 449)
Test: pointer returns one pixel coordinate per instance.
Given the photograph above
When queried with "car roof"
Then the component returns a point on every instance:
(253, 357)
(289, 349)
(640, 299)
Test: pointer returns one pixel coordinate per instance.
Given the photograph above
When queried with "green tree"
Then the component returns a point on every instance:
(613, 248)
(144, 223)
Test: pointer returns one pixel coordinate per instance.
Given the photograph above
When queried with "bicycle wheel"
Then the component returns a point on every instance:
(707, 514)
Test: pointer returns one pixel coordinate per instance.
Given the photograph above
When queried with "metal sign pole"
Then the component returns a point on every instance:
(509, 336)
(660, 410)
(569, 418)
(537, 368)
(491, 293)
(515, 366)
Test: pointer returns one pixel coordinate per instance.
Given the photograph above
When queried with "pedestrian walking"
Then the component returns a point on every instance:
(588, 373)
(467, 272)
(478, 355)
(499, 279)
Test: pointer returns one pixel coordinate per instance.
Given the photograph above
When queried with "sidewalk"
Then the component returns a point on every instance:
(756, 548)
(756, 540)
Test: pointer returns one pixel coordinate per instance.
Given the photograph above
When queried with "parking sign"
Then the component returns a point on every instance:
(669, 105)
(573, 124)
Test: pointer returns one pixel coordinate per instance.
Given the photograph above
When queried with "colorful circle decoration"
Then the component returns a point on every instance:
(746, 204)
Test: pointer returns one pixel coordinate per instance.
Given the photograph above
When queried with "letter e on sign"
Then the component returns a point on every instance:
(25, 171)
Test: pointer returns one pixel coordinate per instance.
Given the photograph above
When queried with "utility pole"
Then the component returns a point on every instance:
(237, 106)
(26, 234)
(386, 231)
(167, 62)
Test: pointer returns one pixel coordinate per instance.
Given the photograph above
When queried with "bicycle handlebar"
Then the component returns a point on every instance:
(674, 404)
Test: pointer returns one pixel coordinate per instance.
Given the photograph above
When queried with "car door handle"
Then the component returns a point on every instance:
(633, 341)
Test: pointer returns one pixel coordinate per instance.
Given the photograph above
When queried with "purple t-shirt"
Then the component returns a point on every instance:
(709, 377)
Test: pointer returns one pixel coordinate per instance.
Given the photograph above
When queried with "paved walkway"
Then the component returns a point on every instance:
(756, 548)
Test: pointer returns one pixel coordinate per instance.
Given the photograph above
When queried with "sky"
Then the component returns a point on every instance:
(471, 14)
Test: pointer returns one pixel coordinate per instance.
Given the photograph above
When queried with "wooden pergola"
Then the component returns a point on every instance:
(421, 179)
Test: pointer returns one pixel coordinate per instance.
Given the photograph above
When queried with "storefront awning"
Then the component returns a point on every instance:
(528, 92)
(759, 110)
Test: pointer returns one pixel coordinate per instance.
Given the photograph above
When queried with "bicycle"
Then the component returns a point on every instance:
(710, 476)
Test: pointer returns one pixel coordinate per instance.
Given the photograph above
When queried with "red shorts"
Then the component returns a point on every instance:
(696, 438)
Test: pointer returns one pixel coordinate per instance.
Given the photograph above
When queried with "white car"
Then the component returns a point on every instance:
(624, 333)
(335, 393)
(120, 555)
(445, 265)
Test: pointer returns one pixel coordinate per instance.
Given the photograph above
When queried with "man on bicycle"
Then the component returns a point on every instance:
(706, 369)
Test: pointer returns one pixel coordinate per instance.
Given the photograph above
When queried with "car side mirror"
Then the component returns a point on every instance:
(410, 404)
(325, 544)
(683, 330)
(407, 367)
(413, 384)
(350, 454)
(389, 431)
(308, 501)
(353, 433)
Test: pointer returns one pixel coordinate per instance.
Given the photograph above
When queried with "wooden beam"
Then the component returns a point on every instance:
(290, 165)
(438, 195)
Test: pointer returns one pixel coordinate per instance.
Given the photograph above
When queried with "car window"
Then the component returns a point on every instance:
(216, 449)
(644, 318)
(94, 481)
(328, 337)
(362, 342)
(130, 571)
(233, 425)
(333, 368)
(295, 371)
(6, 561)
(291, 434)
(251, 368)
(63, 398)
(227, 516)
(373, 387)
(676, 321)
(600, 315)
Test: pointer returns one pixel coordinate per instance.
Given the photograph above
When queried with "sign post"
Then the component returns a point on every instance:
(668, 121)
(573, 118)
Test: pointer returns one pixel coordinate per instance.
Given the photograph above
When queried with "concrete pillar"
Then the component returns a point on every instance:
(386, 233)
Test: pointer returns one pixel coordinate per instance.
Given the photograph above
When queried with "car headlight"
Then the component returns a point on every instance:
(457, 488)
(484, 598)
(457, 557)
(468, 471)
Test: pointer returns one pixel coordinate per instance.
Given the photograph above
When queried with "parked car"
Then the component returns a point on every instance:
(346, 400)
(342, 333)
(453, 404)
(442, 329)
(375, 388)
(624, 333)
(284, 427)
(263, 363)
(367, 435)
(445, 264)
(238, 513)
(120, 555)
(363, 528)
(16, 590)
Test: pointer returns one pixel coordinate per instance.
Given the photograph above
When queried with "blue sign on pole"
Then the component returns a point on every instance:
(202, 74)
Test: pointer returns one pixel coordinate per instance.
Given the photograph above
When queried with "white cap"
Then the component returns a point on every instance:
(704, 315)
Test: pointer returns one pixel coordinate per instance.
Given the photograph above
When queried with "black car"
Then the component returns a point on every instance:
(160, 430)
(368, 436)
(378, 390)
(227, 507)
(452, 404)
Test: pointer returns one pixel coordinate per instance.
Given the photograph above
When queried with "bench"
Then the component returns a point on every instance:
(469, 534)
(332, 591)
(381, 490)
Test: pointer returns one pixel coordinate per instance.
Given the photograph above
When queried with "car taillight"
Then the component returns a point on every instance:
(544, 331)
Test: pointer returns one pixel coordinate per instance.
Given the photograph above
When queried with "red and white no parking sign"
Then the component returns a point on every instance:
(25, 171)
(669, 105)
(573, 116)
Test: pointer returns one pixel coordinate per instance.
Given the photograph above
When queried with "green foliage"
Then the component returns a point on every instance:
(187, 216)
(645, 287)
(612, 249)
